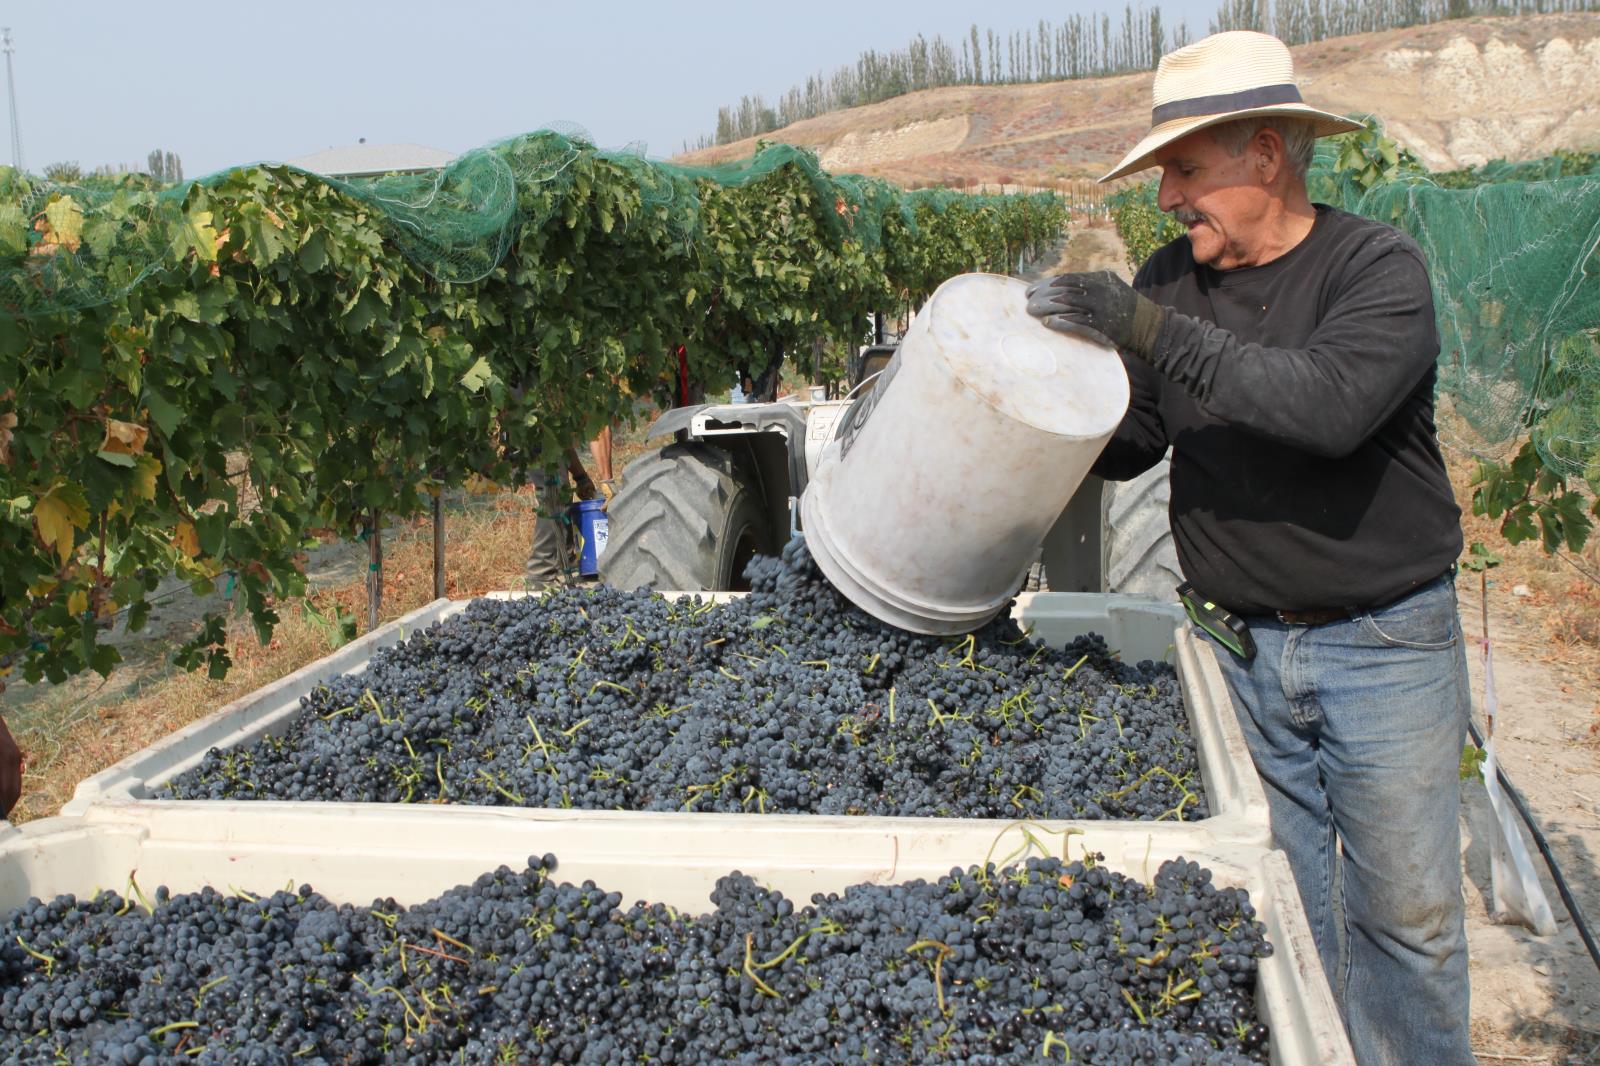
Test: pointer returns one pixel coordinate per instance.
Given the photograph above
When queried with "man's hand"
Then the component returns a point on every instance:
(1100, 307)
(10, 771)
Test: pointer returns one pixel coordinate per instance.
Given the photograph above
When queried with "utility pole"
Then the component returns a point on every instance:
(11, 95)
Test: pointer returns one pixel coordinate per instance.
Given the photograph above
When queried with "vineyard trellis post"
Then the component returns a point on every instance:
(438, 545)
(374, 569)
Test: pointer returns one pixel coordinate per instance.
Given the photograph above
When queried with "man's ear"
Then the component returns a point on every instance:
(1269, 148)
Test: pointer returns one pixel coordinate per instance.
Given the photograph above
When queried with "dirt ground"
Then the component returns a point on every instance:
(1535, 999)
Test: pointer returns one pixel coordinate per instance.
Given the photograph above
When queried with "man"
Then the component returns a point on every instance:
(1285, 352)
(553, 554)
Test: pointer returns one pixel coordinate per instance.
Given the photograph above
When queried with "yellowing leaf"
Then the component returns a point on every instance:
(56, 516)
(42, 587)
(8, 422)
(187, 539)
(124, 438)
(198, 234)
(64, 219)
(78, 601)
(145, 471)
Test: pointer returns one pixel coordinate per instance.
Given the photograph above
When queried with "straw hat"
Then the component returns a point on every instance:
(1238, 74)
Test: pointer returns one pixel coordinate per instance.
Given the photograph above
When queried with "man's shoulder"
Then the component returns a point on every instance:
(1364, 239)
(1167, 265)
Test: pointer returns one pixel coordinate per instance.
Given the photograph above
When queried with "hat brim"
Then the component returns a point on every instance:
(1143, 154)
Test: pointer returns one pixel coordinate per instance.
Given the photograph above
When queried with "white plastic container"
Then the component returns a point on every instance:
(366, 852)
(940, 484)
(1137, 627)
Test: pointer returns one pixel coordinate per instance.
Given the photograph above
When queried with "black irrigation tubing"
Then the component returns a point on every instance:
(1544, 849)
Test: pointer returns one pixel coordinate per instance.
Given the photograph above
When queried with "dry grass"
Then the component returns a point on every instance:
(1535, 1040)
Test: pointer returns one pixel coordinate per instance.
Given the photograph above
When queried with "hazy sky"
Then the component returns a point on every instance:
(105, 81)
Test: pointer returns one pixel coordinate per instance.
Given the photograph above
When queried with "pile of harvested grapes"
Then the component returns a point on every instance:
(1047, 960)
(787, 700)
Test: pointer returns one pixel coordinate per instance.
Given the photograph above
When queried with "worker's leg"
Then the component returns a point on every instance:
(1280, 721)
(548, 557)
(600, 451)
(1395, 699)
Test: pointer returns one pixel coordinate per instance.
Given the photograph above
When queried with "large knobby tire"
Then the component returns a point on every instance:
(684, 518)
(1139, 553)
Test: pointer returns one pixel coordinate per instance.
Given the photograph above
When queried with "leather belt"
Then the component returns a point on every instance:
(1318, 617)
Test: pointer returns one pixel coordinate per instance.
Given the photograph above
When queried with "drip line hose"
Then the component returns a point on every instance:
(1544, 849)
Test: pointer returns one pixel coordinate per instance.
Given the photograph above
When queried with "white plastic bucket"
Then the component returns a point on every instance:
(940, 484)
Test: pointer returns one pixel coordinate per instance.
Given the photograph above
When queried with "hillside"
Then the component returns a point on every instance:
(1457, 93)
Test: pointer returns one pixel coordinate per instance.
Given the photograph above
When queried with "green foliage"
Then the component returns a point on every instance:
(355, 348)
(1480, 559)
(1348, 165)
(1142, 225)
(1532, 500)
(1562, 163)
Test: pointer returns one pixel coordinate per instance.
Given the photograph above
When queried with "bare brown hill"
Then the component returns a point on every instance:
(1457, 93)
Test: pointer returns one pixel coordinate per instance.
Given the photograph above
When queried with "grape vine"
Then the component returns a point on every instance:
(160, 346)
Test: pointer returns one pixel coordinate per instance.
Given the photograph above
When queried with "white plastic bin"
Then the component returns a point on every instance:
(1139, 628)
(995, 381)
(368, 851)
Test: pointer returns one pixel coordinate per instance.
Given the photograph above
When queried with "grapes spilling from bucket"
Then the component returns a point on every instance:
(787, 700)
(1044, 961)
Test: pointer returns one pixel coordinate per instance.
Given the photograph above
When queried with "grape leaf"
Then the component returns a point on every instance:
(124, 438)
(57, 515)
(187, 539)
(477, 375)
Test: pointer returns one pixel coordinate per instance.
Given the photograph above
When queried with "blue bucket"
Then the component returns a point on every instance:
(590, 523)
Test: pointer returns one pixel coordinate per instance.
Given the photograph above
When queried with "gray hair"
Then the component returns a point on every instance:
(1299, 137)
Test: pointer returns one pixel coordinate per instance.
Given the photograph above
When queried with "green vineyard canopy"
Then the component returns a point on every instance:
(65, 247)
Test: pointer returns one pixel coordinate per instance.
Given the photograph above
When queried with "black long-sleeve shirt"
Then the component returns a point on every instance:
(1297, 398)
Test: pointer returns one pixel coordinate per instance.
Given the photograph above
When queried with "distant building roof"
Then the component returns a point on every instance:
(368, 160)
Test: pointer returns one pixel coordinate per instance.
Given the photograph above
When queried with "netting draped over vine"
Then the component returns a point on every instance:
(67, 247)
(1517, 291)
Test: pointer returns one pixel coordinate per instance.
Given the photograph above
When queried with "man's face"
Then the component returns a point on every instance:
(1219, 197)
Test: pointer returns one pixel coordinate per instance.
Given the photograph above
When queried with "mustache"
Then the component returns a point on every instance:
(1186, 216)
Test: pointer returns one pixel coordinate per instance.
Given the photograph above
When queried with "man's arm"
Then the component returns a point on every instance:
(1374, 345)
(1141, 439)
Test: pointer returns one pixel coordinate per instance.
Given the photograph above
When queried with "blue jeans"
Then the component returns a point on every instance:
(1356, 729)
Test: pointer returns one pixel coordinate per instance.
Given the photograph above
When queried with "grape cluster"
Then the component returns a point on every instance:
(1044, 960)
(787, 700)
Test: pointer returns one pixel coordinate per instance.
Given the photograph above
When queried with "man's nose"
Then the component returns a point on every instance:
(1167, 197)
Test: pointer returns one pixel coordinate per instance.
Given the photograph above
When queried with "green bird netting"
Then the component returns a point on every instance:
(1512, 249)
(69, 246)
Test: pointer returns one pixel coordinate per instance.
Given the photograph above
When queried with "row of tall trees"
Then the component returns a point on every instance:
(1084, 46)
(164, 166)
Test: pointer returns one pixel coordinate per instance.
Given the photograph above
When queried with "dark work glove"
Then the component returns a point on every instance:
(1100, 307)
